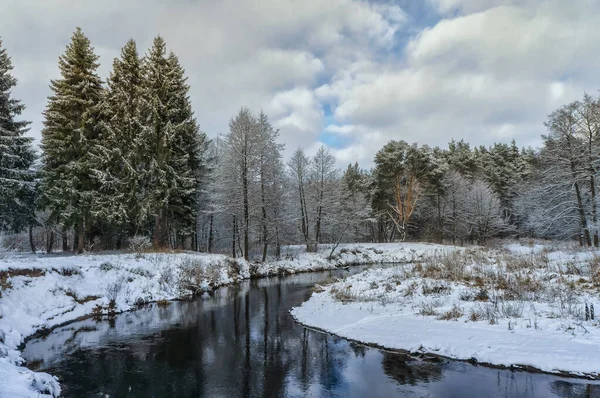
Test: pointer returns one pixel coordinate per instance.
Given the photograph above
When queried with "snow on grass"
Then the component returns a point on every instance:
(39, 292)
(513, 307)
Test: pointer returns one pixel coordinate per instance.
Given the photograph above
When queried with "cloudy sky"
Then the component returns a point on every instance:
(348, 74)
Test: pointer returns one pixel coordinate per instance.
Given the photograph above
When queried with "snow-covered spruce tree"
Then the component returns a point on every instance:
(71, 130)
(17, 185)
(172, 148)
(191, 146)
(117, 156)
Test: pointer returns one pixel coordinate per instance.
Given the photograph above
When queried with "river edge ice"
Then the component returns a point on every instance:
(40, 292)
(395, 308)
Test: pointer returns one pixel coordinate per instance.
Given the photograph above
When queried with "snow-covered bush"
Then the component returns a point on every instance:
(196, 276)
(139, 243)
(14, 242)
(114, 289)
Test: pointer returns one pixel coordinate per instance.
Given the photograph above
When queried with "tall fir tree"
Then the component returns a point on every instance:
(191, 147)
(71, 130)
(117, 155)
(17, 190)
(172, 144)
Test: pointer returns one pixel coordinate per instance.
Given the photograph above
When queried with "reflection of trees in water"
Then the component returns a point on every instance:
(569, 390)
(241, 342)
(247, 346)
(406, 370)
(359, 350)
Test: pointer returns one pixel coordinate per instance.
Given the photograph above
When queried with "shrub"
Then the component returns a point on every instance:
(197, 277)
(436, 288)
(427, 309)
(114, 289)
(452, 314)
(106, 266)
(482, 295)
(141, 272)
(166, 277)
(139, 243)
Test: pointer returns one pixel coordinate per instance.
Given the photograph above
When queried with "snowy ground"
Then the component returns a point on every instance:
(44, 291)
(523, 305)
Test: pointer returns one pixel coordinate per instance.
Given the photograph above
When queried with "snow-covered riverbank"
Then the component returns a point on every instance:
(44, 291)
(524, 307)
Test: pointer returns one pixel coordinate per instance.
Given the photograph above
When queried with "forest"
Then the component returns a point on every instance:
(123, 164)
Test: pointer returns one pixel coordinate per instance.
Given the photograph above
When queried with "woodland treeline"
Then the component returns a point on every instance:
(123, 162)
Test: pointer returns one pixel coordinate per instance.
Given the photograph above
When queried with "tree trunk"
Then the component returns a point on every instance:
(80, 237)
(65, 241)
(264, 218)
(210, 234)
(31, 243)
(50, 242)
(582, 219)
(304, 215)
(246, 210)
(440, 221)
(594, 209)
(453, 219)
(319, 210)
(233, 238)
(277, 243)
(156, 241)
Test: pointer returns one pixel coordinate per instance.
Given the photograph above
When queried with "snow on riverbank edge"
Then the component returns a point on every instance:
(41, 292)
(400, 309)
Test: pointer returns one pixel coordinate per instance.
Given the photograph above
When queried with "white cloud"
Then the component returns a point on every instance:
(490, 71)
(487, 70)
(252, 53)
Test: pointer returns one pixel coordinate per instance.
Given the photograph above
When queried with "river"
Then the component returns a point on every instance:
(242, 342)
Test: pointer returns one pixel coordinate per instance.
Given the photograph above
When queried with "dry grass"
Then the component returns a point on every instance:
(5, 276)
(80, 300)
(162, 303)
(488, 285)
(195, 275)
(452, 314)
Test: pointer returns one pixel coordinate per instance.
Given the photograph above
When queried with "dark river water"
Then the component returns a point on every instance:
(242, 342)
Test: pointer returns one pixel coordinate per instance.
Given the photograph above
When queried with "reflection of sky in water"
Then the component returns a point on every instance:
(243, 342)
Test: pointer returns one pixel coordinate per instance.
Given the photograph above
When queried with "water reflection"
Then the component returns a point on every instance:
(242, 342)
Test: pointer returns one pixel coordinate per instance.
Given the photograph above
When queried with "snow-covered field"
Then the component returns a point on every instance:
(40, 292)
(523, 306)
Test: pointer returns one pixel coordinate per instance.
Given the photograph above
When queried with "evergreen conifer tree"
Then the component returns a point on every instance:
(71, 130)
(17, 156)
(117, 155)
(172, 145)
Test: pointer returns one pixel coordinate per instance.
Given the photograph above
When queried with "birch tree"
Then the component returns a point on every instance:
(323, 179)
(563, 158)
(298, 166)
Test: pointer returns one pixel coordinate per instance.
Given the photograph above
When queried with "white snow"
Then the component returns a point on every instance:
(44, 291)
(542, 325)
